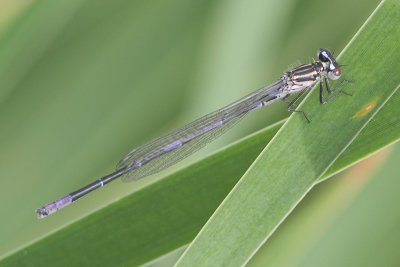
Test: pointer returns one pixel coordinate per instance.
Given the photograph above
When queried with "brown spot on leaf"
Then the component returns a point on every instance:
(367, 108)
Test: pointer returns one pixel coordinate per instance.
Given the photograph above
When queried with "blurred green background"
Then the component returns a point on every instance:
(84, 81)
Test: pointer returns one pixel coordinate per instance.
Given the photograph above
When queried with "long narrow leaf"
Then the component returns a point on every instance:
(300, 154)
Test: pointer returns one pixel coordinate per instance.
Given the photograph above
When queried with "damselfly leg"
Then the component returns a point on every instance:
(293, 104)
(330, 91)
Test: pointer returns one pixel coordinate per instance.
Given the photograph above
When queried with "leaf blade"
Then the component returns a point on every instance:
(256, 206)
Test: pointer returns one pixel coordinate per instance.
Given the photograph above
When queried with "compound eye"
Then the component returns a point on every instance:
(323, 55)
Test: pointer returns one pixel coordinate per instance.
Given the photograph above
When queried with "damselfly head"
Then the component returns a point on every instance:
(332, 68)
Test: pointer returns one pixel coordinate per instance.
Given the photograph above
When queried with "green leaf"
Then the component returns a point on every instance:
(370, 220)
(202, 186)
(353, 221)
(300, 154)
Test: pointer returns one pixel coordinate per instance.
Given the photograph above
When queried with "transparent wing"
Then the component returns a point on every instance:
(174, 146)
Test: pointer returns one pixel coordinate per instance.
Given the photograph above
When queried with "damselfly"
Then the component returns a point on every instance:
(172, 147)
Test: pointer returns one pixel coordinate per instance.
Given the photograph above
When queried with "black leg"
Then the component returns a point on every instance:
(328, 87)
(288, 102)
(321, 92)
(330, 91)
(293, 103)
